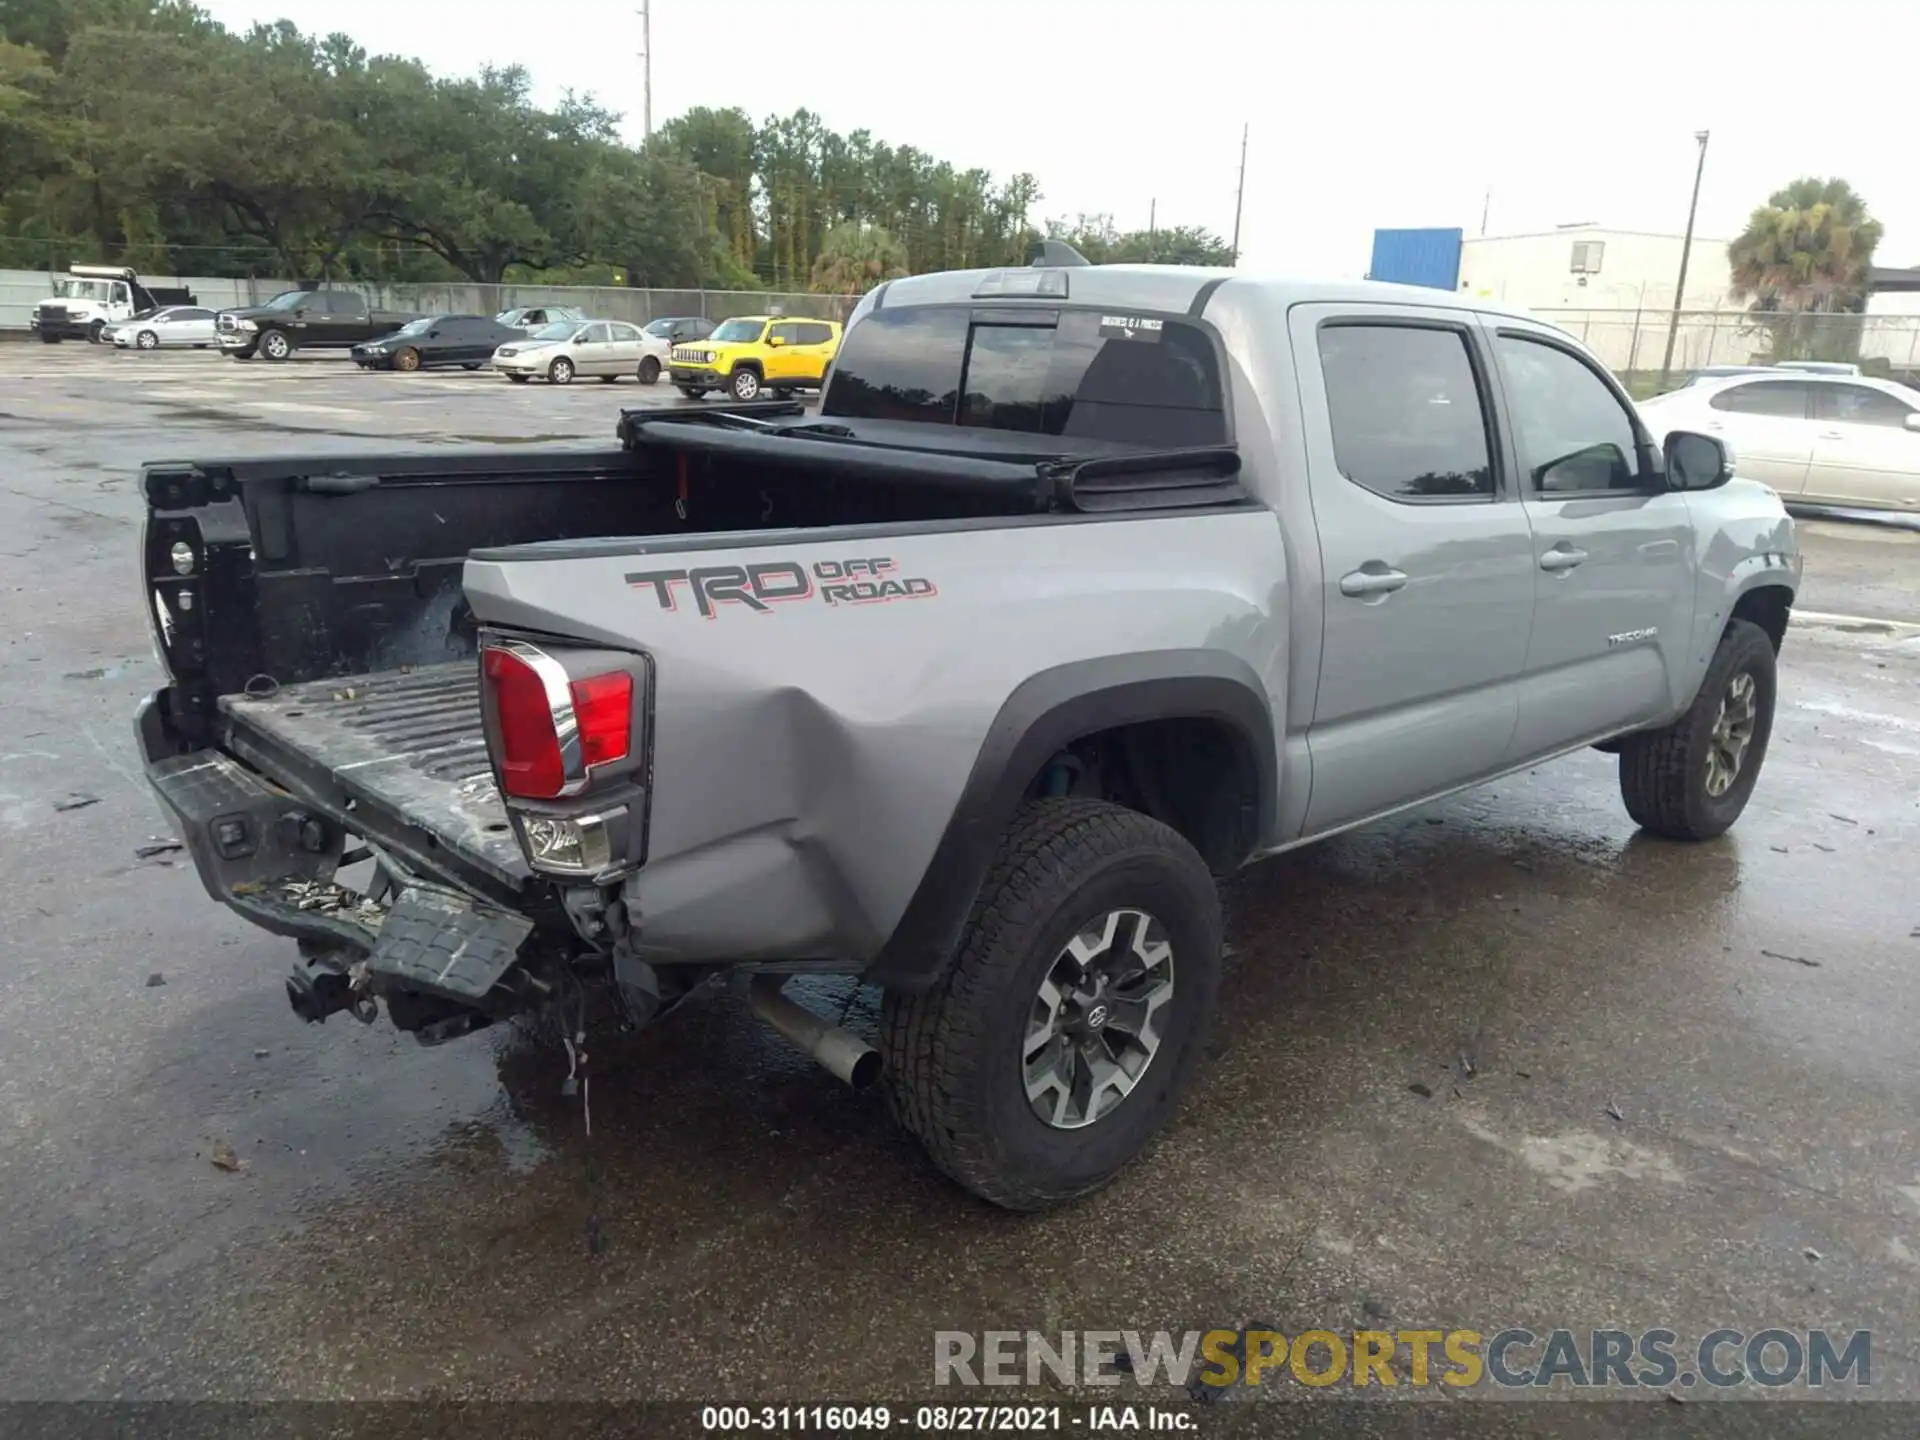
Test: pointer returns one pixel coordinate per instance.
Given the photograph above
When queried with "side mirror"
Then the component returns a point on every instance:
(1696, 462)
(1913, 419)
(773, 340)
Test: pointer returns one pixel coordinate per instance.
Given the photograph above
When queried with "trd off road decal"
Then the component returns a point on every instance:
(859, 581)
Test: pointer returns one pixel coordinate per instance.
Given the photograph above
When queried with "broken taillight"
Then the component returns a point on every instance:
(553, 729)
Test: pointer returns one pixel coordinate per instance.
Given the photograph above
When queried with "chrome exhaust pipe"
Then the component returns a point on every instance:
(839, 1052)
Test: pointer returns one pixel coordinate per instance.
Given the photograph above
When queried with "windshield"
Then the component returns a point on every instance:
(287, 299)
(739, 331)
(80, 289)
(558, 330)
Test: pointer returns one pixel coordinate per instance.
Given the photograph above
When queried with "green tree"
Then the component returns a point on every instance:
(1805, 255)
(1095, 237)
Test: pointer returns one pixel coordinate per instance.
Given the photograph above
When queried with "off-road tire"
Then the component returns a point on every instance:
(1663, 773)
(265, 346)
(953, 1052)
(649, 371)
(744, 384)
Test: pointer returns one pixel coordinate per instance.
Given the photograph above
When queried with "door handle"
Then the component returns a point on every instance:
(1562, 558)
(1381, 581)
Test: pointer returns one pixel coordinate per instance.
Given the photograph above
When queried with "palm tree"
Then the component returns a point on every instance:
(855, 258)
(1809, 248)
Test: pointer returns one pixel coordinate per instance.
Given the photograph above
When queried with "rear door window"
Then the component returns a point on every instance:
(1406, 410)
(1858, 405)
(1135, 379)
(1784, 399)
(815, 334)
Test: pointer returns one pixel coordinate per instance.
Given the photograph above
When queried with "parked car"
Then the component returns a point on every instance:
(304, 320)
(536, 317)
(662, 335)
(605, 349)
(435, 341)
(168, 328)
(757, 352)
(1842, 440)
(1086, 585)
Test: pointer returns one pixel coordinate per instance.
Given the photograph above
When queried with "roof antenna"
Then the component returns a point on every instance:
(1054, 253)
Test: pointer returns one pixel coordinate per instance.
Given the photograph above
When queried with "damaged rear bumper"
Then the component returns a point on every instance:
(445, 961)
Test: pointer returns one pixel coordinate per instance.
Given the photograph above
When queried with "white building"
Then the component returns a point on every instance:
(1588, 267)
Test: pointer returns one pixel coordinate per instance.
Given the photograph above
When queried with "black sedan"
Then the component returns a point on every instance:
(464, 340)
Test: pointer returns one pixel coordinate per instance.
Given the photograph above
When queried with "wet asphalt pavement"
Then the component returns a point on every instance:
(1498, 1062)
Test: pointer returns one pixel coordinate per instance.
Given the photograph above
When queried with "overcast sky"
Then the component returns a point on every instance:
(1363, 113)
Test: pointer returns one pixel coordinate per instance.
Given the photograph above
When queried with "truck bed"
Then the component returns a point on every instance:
(401, 746)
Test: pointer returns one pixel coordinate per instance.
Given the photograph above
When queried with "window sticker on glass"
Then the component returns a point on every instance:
(1130, 327)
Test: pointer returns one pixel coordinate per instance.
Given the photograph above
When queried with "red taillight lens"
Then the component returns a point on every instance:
(530, 764)
(603, 711)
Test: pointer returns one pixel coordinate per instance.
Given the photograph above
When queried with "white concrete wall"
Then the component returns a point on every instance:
(1637, 271)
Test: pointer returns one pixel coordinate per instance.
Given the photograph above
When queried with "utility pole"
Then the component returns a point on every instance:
(1485, 206)
(646, 70)
(1686, 253)
(1240, 194)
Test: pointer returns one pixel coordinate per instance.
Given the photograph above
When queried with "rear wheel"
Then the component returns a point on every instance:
(607, 379)
(561, 371)
(46, 339)
(649, 371)
(471, 365)
(95, 330)
(1691, 780)
(274, 345)
(745, 385)
(1058, 1041)
(407, 360)
(147, 340)
(517, 379)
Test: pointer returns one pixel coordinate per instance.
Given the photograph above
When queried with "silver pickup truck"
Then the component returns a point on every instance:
(1084, 586)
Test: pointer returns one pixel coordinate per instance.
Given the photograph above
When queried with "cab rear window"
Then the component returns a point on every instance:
(1135, 379)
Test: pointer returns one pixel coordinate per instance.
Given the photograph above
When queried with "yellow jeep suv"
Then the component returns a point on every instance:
(753, 354)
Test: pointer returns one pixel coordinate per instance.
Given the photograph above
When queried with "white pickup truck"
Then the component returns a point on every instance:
(1085, 585)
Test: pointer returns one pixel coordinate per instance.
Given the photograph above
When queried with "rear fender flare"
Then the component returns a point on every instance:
(1043, 716)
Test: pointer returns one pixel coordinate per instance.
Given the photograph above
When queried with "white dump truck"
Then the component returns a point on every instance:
(89, 298)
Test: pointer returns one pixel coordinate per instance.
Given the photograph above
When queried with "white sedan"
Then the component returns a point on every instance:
(1841, 440)
(172, 327)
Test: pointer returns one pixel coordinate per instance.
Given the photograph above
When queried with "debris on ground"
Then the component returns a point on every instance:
(1796, 959)
(261, 1054)
(1523, 1074)
(1818, 846)
(347, 694)
(1843, 819)
(78, 800)
(1778, 849)
(1425, 1092)
(1812, 1254)
(1613, 1111)
(157, 846)
(155, 979)
(224, 1157)
(1466, 1066)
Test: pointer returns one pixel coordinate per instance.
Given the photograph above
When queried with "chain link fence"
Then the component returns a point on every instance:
(21, 290)
(1633, 343)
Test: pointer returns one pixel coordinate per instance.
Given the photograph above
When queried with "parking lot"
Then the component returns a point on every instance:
(1498, 1062)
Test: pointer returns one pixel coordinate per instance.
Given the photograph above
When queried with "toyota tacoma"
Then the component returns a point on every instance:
(1085, 586)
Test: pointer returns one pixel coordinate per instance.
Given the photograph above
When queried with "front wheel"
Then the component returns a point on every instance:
(407, 360)
(561, 371)
(1691, 780)
(745, 385)
(147, 340)
(274, 345)
(649, 372)
(1060, 1037)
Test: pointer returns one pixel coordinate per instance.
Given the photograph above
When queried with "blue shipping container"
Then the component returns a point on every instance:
(1417, 257)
